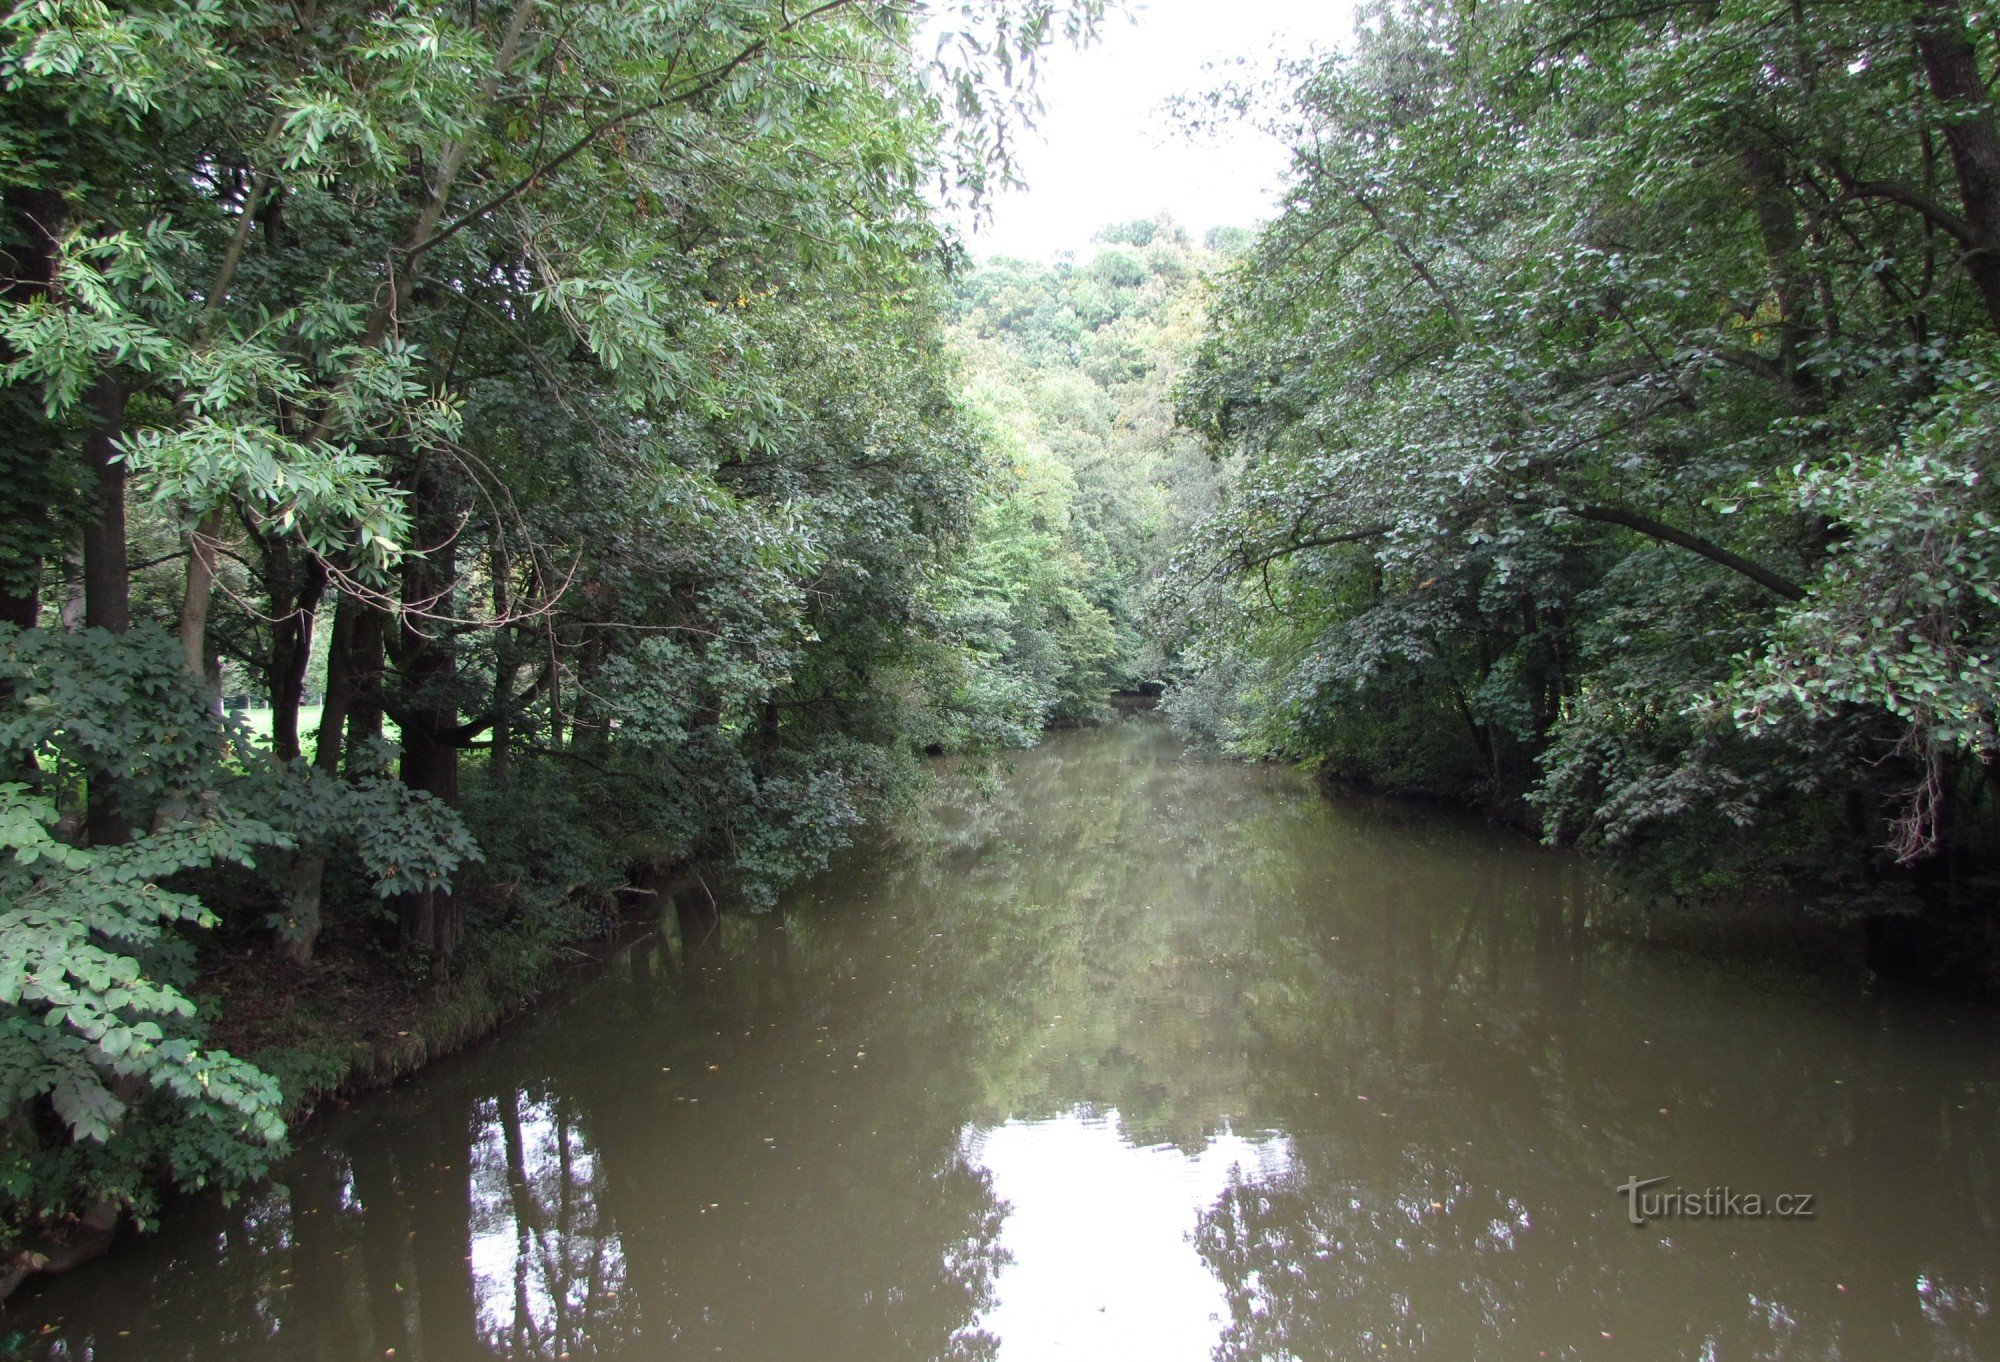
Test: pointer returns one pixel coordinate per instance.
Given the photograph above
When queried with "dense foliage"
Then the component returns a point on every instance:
(560, 396)
(1616, 396)
(1072, 367)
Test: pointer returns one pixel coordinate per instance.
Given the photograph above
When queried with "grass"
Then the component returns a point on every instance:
(258, 717)
(259, 720)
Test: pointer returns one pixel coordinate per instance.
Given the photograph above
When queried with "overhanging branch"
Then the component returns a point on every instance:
(1775, 583)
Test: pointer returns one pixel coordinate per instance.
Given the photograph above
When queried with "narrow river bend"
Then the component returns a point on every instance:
(1140, 1056)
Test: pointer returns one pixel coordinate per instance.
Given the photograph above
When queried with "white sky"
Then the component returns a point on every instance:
(1105, 150)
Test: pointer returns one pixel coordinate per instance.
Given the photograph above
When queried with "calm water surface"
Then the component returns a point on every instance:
(1141, 1056)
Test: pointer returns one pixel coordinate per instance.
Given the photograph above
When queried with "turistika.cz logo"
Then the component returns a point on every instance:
(1709, 1203)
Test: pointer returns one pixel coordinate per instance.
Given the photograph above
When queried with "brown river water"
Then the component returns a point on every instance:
(1140, 1056)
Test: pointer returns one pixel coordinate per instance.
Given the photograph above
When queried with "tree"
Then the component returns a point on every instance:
(1593, 388)
(573, 378)
(1075, 366)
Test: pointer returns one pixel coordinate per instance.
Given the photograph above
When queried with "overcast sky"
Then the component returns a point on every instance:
(1105, 150)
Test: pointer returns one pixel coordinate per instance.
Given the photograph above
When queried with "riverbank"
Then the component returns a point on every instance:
(1793, 931)
(354, 1020)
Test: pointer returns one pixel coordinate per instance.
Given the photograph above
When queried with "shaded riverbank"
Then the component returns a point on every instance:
(345, 1025)
(1145, 1055)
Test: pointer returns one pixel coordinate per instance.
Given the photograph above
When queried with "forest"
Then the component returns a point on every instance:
(477, 474)
(1614, 400)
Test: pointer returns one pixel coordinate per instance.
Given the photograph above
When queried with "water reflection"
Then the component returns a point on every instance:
(544, 1254)
(1137, 1056)
(1098, 1241)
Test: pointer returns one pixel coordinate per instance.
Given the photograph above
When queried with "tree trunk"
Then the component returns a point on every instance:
(426, 658)
(107, 579)
(199, 659)
(70, 613)
(364, 714)
(353, 680)
(1778, 225)
(295, 599)
(504, 664)
(1971, 135)
(430, 918)
(305, 889)
(353, 659)
(195, 600)
(339, 697)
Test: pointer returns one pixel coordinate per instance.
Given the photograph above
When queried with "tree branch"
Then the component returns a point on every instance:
(1402, 248)
(699, 87)
(1246, 561)
(1934, 212)
(1775, 583)
(454, 162)
(466, 732)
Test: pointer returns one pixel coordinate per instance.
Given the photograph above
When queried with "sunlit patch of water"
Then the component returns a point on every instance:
(1098, 1240)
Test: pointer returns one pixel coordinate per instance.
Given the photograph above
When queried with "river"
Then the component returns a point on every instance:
(1137, 1055)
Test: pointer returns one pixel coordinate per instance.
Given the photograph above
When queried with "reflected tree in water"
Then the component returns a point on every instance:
(547, 1268)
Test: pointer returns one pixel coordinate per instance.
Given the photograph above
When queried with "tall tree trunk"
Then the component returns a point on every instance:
(555, 690)
(1778, 225)
(303, 919)
(501, 766)
(70, 613)
(426, 656)
(430, 918)
(107, 576)
(199, 659)
(362, 708)
(1970, 133)
(504, 662)
(339, 697)
(353, 683)
(295, 597)
(364, 713)
(353, 665)
(196, 597)
(21, 575)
